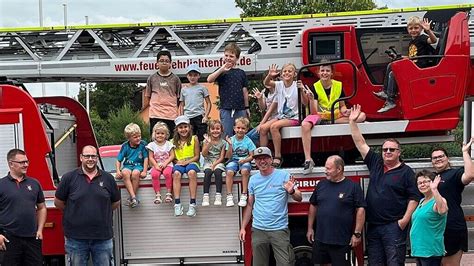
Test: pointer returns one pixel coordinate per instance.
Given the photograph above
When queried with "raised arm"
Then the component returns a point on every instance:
(269, 80)
(426, 24)
(440, 206)
(359, 140)
(468, 175)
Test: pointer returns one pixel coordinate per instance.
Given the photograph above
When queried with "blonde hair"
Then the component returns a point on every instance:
(414, 20)
(233, 48)
(212, 123)
(160, 126)
(177, 137)
(243, 120)
(290, 65)
(131, 129)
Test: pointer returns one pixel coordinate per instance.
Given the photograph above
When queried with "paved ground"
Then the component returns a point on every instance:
(467, 260)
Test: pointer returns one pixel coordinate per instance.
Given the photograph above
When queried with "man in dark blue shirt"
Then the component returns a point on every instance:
(22, 213)
(335, 198)
(88, 196)
(392, 197)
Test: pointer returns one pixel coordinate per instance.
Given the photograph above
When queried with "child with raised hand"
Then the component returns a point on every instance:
(186, 154)
(286, 104)
(264, 103)
(134, 156)
(213, 151)
(161, 156)
(240, 149)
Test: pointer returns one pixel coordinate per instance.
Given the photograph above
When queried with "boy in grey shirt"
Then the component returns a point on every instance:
(192, 102)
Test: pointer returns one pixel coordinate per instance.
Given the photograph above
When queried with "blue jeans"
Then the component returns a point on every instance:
(228, 119)
(386, 244)
(390, 85)
(254, 136)
(79, 250)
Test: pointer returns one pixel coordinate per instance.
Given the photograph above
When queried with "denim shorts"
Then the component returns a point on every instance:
(235, 166)
(184, 169)
(133, 167)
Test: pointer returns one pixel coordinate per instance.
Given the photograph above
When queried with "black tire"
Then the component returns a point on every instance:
(303, 255)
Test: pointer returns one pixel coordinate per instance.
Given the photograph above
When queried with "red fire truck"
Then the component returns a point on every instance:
(53, 130)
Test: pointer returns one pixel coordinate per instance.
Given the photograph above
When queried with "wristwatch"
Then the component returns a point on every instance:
(357, 234)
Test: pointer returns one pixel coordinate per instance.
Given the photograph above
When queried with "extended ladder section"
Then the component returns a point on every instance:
(128, 51)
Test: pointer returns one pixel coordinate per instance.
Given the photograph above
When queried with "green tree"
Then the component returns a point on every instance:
(295, 7)
(117, 121)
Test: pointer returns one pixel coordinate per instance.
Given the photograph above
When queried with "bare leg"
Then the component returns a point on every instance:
(306, 139)
(135, 178)
(229, 181)
(245, 180)
(126, 173)
(177, 184)
(276, 136)
(453, 260)
(192, 175)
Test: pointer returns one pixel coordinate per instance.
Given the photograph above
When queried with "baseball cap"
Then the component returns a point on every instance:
(193, 67)
(181, 120)
(262, 151)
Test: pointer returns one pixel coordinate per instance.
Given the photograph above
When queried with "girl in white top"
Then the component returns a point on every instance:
(161, 156)
(264, 103)
(286, 104)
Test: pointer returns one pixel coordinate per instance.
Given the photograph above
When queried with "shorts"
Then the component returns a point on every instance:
(234, 166)
(313, 119)
(132, 168)
(455, 240)
(184, 169)
(218, 166)
(334, 254)
(294, 122)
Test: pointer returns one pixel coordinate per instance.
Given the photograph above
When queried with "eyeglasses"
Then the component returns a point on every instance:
(434, 158)
(419, 183)
(21, 162)
(164, 61)
(89, 156)
(390, 149)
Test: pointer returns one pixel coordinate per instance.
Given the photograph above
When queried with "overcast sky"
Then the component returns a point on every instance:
(22, 13)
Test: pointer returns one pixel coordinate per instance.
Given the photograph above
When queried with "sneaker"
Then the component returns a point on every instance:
(205, 200)
(134, 203)
(243, 200)
(230, 200)
(386, 107)
(192, 210)
(218, 200)
(308, 167)
(381, 94)
(178, 209)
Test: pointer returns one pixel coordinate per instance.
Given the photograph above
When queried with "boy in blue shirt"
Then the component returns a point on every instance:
(233, 93)
(134, 156)
(240, 149)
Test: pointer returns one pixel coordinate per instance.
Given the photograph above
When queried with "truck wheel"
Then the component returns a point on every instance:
(303, 255)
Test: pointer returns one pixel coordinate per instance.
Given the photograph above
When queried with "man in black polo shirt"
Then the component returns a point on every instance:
(22, 213)
(88, 196)
(335, 202)
(392, 197)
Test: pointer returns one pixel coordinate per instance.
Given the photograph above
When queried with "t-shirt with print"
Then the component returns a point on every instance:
(214, 152)
(268, 101)
(164, 92)
(231, 93)
(241, 148)
(193, 98)
(418, 47)
(270, 208)
(161, 152)
(132, 156)
(287, 99)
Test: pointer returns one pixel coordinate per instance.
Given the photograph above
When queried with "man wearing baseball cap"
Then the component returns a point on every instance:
(192, 101)
(269, 191)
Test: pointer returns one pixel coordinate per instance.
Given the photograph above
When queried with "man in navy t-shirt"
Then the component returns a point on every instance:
(335, 198)
(392, 197)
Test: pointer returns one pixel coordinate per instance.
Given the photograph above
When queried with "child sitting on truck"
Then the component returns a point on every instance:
(134, 156)
(186, 154)
(213, 151)
(161, 156)
(240, 149)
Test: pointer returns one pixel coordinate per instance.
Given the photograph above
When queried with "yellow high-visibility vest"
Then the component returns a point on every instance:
(324, 104)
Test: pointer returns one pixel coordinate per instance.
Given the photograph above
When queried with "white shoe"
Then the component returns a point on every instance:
(386, 107)
(205, 200)
(243, 200)
(218, 200)
(178, 209)
(381, 94)
(192, 210)
(308, 167)
(230, 200)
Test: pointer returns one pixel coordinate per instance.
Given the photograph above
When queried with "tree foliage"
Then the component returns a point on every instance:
(252, 8)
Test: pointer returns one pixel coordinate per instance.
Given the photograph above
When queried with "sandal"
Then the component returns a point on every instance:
(169, 198)
(277, 164)
(157, 199)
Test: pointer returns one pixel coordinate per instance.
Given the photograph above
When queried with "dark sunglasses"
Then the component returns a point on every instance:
(390, 149)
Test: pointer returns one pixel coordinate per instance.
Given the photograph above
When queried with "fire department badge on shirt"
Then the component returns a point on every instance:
(341, 195)
(29, 188)
(101, 183)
